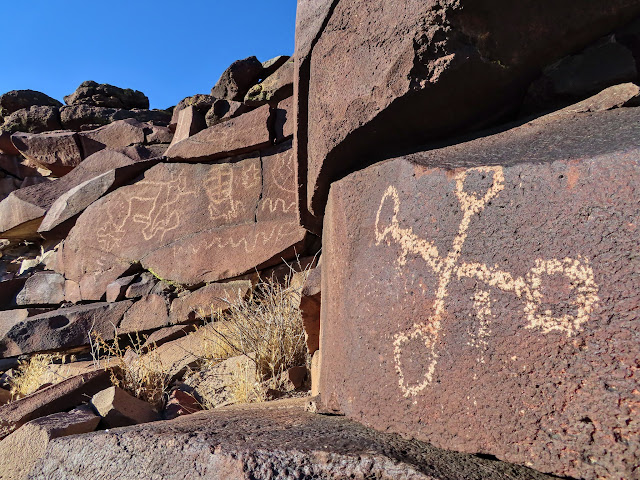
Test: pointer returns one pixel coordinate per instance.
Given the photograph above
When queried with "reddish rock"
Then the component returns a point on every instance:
(186, 223)
(115, 135)
(310, 302)
(83, 117)
(238, 79)
(235, 136)
(271, 66)
(42, 288)
(254, 441)
(401, 78)
(142, 286)
(21, 451)
(168, 334)
(202, 104)
(190, 121)
(118, 409)
(222, 110)
(57, 151)
(15, 166)
(116, 289)
(273, 88)
(5, 396)
(32, 120)
(54, 399)
(279, 193)
(491, 306)
(180, 403)
(148, 313)
(72, 292)
(283, 123)
(295, 377)
(62, 328)
(6, 145)
(21, 213)
(202, 303)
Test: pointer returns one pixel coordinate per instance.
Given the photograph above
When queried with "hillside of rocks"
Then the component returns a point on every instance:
(441, 202)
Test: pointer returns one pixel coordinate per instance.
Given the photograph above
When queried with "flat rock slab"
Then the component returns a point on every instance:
(58, 152)
(261, 442)
(204, 302)
(21, 451)
(62, 328)
(42, 288)
(118, 409)
(238, 135)
(54, 399)
(188, 223)
(22, 212)
(148, 313)
(409, 66)
(491, 306)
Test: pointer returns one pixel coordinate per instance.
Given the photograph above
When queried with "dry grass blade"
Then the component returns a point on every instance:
(27, 377)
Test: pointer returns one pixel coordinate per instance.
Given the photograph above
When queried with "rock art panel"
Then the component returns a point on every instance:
(409, 68)
(496, 295)
(187, 223)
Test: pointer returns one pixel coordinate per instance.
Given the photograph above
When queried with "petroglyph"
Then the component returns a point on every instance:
(253, 241)
(158, 199)
(284, 199)
(219, 187)
(584, 291)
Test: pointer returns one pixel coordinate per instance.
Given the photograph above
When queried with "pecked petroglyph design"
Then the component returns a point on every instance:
(219, 188)
(282, 177)
(528, 288)
(158, 199)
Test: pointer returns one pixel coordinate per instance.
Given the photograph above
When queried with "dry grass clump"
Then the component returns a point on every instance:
(138, 371)
(267, 328)
(27, 376)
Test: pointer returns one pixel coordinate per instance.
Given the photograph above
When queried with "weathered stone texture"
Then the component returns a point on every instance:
(261, 442)
(187, 223)
(483, 297)
(205, 301)
(401, 78)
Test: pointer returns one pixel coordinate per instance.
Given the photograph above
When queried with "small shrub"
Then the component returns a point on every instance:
(27, 377)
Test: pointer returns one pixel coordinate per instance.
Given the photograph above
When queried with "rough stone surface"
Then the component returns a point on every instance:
(270, 66)
(168, 334)
(5, 396)
(58, 152)
(78, 117)
(148, 313)
(238, 79)
(235, 136)
(54, 399)
(42, 288)
(116, 290)
(62, 328)
(8, 291)
(260, 441)
(222, 110)
(190, 121)
(15, 166)
(18, 99)
(391, 83)
(310, 301)
(202, 103)
(23, 210)
(142, 286)
(118, 409)
(200, 305)
(283, 124)
(274, 88)
(483, 296)
(180, 403)
(186, 223)
(122, 133)
(105, 95)
(32, 120)
(21, 451)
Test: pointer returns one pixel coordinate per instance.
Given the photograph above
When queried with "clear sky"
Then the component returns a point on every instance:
(168, 49)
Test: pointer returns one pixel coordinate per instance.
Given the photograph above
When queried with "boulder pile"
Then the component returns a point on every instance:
(449, 189)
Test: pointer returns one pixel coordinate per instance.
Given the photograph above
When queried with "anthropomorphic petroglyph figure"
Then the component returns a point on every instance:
(577, 271)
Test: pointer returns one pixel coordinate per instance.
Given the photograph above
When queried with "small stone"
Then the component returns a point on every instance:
(116, 290)
(190, 122)
(42, 288)
(142, 286)
(238, 79)
(119, 409)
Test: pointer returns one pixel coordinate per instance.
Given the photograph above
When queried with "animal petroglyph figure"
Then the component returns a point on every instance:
(154, 207)
(528, 288)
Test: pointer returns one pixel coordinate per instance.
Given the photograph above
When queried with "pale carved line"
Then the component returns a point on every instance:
(578, 271)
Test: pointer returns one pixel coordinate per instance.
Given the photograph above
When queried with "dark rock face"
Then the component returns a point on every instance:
(202, 103)
(18, 99)
(58, 152)
(77, 117)
(236, 80)
(33, 120)
(489, 288)
(409, 70)
(276, 440)
(105, 95)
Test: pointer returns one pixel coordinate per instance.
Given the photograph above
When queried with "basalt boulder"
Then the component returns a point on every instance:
(105, 95)
(18, 99)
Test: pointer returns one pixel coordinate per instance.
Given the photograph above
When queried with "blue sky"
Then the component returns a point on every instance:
(167, 49)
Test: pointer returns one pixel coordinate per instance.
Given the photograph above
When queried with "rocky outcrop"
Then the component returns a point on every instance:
(238, 79)
(420, 58)
(512, 253)
(15, 100)
(255, 442)
(105, 95)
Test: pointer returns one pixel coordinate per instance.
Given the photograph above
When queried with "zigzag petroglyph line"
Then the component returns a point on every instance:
(577, 271)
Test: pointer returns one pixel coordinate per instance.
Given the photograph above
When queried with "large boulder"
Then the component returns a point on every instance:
(32, 120)
(105, 95)
(202, 103)
(58, 152)
(236, 80)
(18, 99)
(483, 297)
(254, 441)
(274, 88)
(206, 301)
(422, 69)
(87, 117)
(188, 223)
(61, 329)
